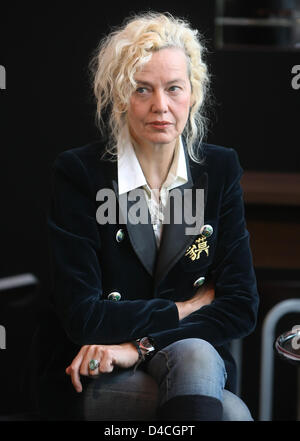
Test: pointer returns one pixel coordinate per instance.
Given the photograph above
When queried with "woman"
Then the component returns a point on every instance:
(146, 309)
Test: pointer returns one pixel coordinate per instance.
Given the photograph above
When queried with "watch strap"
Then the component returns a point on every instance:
(141, 355)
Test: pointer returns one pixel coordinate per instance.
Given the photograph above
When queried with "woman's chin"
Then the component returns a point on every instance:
(161, 138)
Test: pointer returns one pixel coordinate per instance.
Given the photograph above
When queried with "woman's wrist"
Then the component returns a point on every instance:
(183, 310)
(132, 347)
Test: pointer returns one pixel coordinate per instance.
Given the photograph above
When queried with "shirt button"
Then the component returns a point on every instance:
(199, 282)
(207, 230)
(120, 235)
(115, 296)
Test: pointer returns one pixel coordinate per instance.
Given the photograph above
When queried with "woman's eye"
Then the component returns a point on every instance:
(174, 88)
(141, 90)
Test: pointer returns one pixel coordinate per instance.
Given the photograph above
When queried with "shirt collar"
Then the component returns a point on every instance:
(130, 173)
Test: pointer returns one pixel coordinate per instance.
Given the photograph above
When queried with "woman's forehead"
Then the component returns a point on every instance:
(171, 63)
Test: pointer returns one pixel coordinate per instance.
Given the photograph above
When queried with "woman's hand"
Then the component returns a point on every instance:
(124, 355)
(204, 296)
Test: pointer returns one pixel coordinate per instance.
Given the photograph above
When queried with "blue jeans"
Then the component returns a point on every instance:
(186, 367)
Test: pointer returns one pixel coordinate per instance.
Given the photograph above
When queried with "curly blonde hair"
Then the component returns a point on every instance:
(125, 50)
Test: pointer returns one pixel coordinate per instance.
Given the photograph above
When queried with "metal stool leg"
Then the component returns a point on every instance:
(236, 349)
(267, 355)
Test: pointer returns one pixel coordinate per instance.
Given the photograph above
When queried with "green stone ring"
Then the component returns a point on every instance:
(93, 364)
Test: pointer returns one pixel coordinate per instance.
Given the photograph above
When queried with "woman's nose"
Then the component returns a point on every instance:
(159, 102)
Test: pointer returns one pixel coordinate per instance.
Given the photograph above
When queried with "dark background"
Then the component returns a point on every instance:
(48, 107)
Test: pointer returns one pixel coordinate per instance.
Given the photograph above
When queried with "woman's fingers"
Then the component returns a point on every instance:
(88, 356)
(74, 368)
(100, 354)
(91, 360)
(106, 364)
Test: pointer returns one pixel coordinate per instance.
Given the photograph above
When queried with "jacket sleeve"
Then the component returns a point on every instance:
(74, 246)
(233, 313)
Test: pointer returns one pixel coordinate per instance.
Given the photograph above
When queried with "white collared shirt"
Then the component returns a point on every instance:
(131, 177)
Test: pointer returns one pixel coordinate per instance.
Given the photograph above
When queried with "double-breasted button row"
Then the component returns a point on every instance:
(206, 231)
(116, 296)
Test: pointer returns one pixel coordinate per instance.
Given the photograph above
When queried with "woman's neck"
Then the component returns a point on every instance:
(155, 161)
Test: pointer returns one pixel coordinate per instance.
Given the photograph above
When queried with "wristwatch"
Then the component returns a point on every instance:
(146, 344)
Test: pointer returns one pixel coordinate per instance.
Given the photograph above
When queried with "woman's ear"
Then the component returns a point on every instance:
(192, 102)
(192, 98)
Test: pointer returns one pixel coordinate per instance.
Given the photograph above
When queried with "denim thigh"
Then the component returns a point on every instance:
(188, 367)
(193, 367)
(122, 395)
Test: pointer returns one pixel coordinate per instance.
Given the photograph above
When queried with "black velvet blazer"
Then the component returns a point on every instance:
(88, 263)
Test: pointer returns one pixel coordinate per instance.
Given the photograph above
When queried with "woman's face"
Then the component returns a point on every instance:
(159, 106)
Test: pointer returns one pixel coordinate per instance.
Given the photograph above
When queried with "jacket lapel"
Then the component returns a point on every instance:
(175, 241)
(141, 235)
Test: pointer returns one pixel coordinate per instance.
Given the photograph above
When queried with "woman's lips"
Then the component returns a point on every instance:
(160, 124)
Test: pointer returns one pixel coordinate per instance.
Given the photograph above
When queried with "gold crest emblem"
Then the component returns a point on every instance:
(195, 250)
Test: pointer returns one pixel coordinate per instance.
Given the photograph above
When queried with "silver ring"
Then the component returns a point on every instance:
(93, 364)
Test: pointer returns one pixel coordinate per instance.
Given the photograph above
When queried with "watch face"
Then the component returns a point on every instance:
(146, 343)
